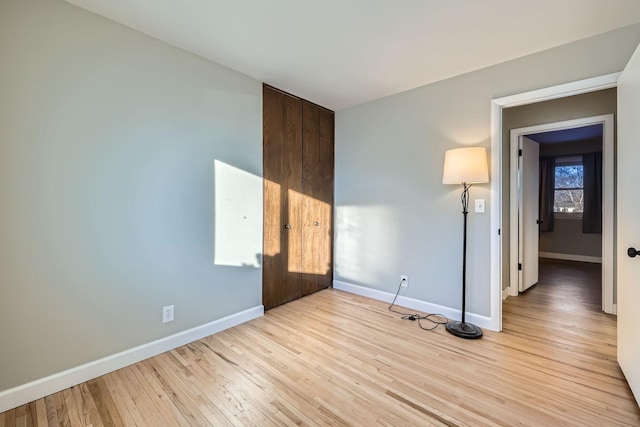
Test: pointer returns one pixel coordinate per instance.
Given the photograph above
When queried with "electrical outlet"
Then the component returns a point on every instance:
(405, 280)
(479, 205)
(167, 314)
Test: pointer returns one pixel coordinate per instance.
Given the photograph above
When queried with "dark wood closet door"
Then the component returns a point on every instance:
(282, 163)
(317, 185)
(298, 197)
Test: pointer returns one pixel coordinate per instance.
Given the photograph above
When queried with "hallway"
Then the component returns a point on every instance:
(565, 308)
(567, 286)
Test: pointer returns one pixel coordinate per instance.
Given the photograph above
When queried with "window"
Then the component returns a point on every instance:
(568, 191)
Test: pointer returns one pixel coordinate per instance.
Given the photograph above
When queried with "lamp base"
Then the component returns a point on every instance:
(464, 330)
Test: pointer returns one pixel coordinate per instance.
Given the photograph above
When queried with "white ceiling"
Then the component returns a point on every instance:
(339, 53)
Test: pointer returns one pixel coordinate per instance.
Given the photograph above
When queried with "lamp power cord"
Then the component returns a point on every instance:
(435, 319)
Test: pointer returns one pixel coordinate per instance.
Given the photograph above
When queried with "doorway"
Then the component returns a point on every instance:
(524, 219)
(500, 250)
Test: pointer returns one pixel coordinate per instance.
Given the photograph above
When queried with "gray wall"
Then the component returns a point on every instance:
(574, 107)
(393, 214)
(567, 236)
(108, 204)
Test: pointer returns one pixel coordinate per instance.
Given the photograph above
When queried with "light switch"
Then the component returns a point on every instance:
(479, 205)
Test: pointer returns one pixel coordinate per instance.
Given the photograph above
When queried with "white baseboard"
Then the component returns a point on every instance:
(426, 307)
(571, 257)
(505, 293)
(37, 389)
(615, 309)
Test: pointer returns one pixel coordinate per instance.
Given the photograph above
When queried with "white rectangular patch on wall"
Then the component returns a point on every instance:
(237, 217)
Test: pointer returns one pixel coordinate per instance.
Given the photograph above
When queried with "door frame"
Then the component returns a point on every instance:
(560, 91)
(608, 191)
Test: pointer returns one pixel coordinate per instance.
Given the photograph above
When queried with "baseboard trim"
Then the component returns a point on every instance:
(37, 389)
(571, 257)
(415, 304)
(505, 293)
(615, 309)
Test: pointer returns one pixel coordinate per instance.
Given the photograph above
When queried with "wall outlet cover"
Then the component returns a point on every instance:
(167, 314)
(404, 279)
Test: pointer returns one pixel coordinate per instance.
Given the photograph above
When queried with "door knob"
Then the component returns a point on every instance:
(287, 226)
(539, 221)
(632, 252)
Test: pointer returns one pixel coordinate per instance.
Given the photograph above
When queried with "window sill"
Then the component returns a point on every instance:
(567, 215)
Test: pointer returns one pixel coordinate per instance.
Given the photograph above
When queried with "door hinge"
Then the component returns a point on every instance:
(520, 152)
(498, 231)
(519, 266)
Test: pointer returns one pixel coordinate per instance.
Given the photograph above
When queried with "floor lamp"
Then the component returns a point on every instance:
(465, 166)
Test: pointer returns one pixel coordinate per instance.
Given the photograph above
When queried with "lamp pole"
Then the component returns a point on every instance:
(465, 212)
(463, 329)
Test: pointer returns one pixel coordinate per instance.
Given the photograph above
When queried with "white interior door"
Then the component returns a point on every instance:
(529, 163)
(629, 223)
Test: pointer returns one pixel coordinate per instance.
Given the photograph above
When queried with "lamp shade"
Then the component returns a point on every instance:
(465, 165)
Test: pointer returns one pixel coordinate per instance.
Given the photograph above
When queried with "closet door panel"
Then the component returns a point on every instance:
(292, 184)
(325, 193)
(272, 152)
(317, 161)
(282, 150)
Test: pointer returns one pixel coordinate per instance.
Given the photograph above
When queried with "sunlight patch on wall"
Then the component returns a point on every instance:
(238, 217)
(367, 243)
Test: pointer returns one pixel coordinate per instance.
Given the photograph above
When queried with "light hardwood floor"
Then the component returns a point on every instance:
(334, 358)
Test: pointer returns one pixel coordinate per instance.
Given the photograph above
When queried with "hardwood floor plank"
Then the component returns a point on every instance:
(10, 418)
(63, 410)
(89, 412)
(269, 379)
(127, 409)
(184, 399)
(21, 414)
(144, 403)
(40, 416)
(107, 409)
(52, 411)
(148, 381)
(31, 416)
(223, 387)
(72, 410)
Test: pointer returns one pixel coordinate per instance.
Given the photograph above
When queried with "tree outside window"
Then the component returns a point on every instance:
(569, 193)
